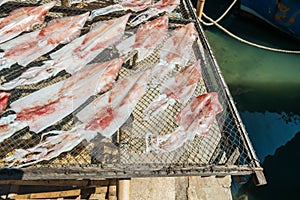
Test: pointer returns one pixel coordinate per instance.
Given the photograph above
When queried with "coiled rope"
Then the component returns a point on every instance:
(215, 22)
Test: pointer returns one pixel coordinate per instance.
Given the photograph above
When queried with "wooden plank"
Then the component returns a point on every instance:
(92, 172)
(97, 196)
(16, 196)
(101, 190)
(100, 193)
(233, 157)
(259, 178)
(112, 192)
(68, 193)
(223, 158)
(46, 195)
(63, 182)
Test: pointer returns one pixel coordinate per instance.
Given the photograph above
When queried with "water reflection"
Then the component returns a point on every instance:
(282, 172)
(272, 130)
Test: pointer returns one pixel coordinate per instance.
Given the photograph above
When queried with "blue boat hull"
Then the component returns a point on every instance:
(282, 14)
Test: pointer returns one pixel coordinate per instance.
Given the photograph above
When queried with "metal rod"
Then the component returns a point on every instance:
(200, 6)
(124, 189)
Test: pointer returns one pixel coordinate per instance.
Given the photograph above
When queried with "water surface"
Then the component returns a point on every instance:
(266, 88)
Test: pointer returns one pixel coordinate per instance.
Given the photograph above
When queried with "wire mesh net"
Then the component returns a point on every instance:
(126, 152)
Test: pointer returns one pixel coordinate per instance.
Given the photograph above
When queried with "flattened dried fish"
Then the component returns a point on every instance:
(177, 49)
(109, 111)
(84, 49)
(157, 8)
(178, 88)
(19, 40)
(75, 55)
(57, 31)
(105, 115)
(147, 37)
(3, 101)
(22, 19)
(50, 104)
(194, 119)
(122, 5)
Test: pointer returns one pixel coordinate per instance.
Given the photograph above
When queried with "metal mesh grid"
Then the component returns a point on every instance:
(225, 150)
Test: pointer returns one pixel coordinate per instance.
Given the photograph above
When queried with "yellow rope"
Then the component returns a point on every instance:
(222, 16)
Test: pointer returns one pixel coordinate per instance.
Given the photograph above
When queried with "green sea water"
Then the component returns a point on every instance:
(274, 77)
(266, 88)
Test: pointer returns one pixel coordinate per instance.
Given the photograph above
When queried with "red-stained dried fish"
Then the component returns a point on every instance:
(51, 147)
(76, 54)
(135, 5)
(157, 8)
(122, 5)
(4, 96)
(147, 37)
(198, 116)
(57, 31)
(50, 104)
(22, 19)
(19, 40)
(178, 88)
(104, 115)
(4, 1)
(177, 49)
(110, 111)
(83, 50)
(194, 119)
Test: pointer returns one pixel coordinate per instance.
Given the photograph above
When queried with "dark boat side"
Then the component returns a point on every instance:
(281, 14)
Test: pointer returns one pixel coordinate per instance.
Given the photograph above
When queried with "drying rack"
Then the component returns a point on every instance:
(225, 150)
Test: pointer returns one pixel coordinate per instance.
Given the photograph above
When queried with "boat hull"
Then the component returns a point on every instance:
(282, 14)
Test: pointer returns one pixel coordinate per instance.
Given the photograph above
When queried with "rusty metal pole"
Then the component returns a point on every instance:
(200, 6)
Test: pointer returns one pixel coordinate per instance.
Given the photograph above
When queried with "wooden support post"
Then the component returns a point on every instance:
(124, 189)
(233, 157)
(112, 192)
(200, 6)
